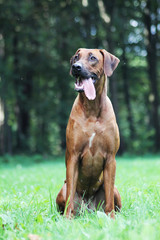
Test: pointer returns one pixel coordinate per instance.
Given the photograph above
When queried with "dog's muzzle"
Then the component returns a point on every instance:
(80, 73)
(85, 80)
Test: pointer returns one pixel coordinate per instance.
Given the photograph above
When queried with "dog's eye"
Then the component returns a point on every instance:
(76, 57)
(93, 58)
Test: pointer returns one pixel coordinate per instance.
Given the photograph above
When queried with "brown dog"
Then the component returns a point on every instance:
(92, 137)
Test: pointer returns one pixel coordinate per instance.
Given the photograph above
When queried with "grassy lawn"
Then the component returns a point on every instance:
(27, 202)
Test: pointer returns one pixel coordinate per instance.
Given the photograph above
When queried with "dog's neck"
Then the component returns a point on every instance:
(94, 107)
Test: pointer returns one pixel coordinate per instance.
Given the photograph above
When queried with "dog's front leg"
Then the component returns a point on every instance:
(109, 179)
(71, 179)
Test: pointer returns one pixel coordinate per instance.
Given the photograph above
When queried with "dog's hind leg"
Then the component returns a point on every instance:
(99, 199)
(61, 200)
(117, 200)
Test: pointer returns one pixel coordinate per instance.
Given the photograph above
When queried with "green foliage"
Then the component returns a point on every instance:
(28, 194)
(37, 40)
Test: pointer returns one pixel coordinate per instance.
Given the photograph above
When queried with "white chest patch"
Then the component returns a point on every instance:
(91, 139)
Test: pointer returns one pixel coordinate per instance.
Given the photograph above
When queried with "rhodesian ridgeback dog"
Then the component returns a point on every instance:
(92, 137)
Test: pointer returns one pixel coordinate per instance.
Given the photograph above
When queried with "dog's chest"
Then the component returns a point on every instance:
(94, 143)
(91, 138)
(92, 153)
(94, 139)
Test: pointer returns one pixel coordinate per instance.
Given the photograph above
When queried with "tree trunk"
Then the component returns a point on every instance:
(152, 40)
(23, 87)
(7, 133)
(5, 129)
(127, 94)
(110, 6)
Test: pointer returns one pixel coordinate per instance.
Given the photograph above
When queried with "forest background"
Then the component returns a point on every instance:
(37, 40)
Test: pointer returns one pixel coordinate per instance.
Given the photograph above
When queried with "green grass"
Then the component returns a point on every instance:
(28, 192)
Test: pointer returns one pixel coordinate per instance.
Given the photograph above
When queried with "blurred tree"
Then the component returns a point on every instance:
(37, 40)
(151, 14)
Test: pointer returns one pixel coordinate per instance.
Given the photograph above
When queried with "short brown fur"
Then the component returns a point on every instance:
(91, 165)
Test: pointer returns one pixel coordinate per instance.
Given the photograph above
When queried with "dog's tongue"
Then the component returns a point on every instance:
(89, 89)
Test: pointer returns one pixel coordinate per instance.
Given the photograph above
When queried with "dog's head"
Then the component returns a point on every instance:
(88, 66)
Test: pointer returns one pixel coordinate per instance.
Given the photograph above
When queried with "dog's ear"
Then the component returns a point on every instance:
(110, 62)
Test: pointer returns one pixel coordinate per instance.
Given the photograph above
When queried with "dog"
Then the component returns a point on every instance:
(92, 137)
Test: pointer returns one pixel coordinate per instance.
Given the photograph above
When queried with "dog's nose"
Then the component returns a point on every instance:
(77, 67)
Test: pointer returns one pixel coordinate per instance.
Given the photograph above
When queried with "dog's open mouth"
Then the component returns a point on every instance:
(86, 85)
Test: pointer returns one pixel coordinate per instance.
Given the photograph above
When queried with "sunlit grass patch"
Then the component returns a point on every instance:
(27, 202)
